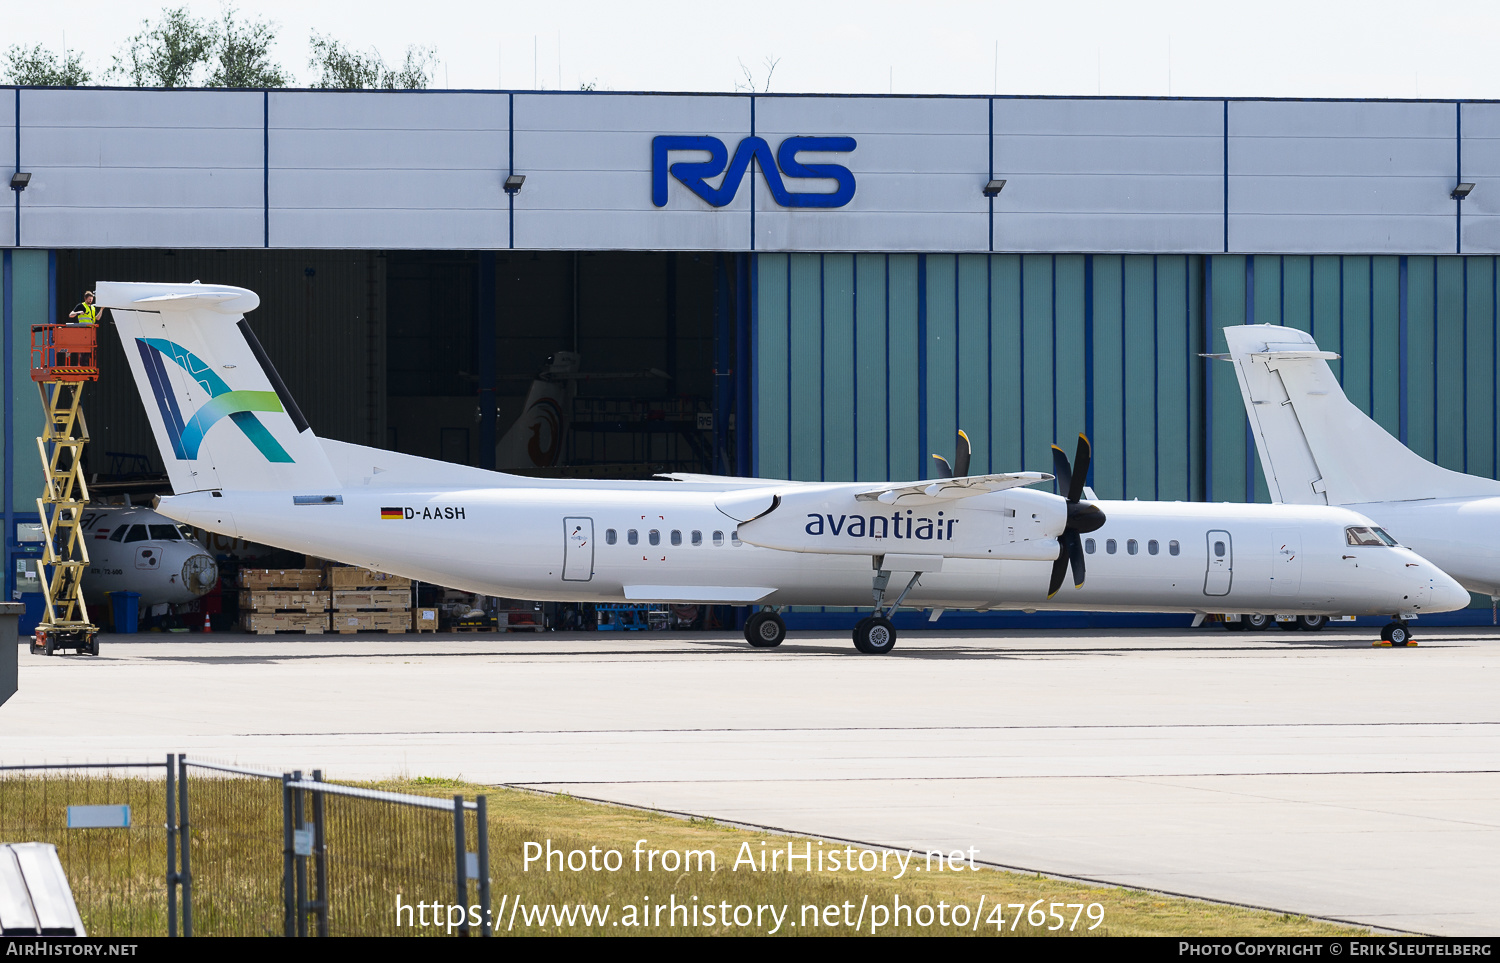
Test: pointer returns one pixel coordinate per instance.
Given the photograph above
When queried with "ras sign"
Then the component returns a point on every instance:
(695, 174)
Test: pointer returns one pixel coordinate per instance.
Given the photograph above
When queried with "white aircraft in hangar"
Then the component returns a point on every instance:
(134, 549)
(243, 461)
(1317, 448)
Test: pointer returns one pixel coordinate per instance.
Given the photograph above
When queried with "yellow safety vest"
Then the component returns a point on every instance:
(90, 314)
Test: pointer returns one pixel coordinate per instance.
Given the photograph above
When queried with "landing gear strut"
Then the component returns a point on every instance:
(765, 630)
(876, 635)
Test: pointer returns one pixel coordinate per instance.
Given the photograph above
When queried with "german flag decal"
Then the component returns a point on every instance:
(389, 513)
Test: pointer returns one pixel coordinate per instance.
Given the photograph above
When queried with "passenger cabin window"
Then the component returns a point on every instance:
(118, 534)
(609, 536)
(1153, 547)
(1109, 546)
(735, 538)
(137, 533)
(676, 536)
(1365, 535)
(718, 538)
(654, 537)
(1133, 547)
(1173, 548)
(697, 537)
(632, 537)
(1218, 549)
(1088, 545)
(166, 533)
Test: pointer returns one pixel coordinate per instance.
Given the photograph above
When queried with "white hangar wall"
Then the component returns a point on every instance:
(424, 170)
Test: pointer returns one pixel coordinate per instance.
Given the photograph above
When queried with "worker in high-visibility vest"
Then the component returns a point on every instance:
(85, 312)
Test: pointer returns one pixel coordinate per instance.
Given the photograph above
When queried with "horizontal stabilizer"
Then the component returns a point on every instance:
(947, 489)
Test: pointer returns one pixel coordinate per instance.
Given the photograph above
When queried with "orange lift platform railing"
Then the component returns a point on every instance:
(63, 358)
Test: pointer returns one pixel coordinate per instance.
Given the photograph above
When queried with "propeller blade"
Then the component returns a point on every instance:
(1061, 469)
(1080, 476)
(1059, 570)
(1075, 556)
(962, 453)
(944, 467)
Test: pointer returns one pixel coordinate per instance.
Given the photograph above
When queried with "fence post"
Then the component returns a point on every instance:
(171, 845)
(299, 822)
(186, 845)
(460, 862)
(288, 890)
(482, 825)
(320, 858)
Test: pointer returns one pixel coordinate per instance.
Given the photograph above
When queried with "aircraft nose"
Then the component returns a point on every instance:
(1446, 595)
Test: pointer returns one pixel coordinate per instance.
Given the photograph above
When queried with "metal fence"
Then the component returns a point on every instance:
(211, 849)
(118, 873)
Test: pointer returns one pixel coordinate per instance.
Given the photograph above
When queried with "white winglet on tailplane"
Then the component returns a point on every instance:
(1315, 446)
(221, 415)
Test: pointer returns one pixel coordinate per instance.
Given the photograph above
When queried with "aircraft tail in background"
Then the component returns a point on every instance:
(1316, 447)
(221, 416)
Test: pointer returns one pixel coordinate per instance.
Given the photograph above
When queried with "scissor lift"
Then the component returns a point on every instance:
(63, 358)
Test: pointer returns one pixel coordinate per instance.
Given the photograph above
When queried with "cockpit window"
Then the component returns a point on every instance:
(1367, 535)
(166, 533)
(118, 534)
(187, 532)
(137, 533)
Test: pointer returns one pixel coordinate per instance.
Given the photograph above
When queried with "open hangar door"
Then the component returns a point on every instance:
(577, 364)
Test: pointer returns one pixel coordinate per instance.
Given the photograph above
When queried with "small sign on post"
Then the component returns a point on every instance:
(302, 841)
(99, 817)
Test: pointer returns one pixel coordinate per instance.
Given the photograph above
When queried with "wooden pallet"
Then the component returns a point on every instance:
(288, 579)
(371, 600)
(281, 601)
(269, 623)
(349, 623)
(349, 577)
(474, 629)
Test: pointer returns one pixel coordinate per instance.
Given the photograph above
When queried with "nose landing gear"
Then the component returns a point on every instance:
(1396, 634)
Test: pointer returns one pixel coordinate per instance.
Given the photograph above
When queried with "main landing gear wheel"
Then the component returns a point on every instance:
(1396, 633)
(1257, 622)
(765, 630)
(1312, 623)
(875, 635)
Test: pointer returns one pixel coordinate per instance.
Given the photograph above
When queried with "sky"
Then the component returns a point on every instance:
(1272, 48)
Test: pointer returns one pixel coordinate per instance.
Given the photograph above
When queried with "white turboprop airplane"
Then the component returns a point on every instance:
(133, 549)
(1317, 448)
(243, 461)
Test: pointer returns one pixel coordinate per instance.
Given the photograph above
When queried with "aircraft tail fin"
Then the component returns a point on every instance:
(1315, 446)
(535, 439)
(221, 416)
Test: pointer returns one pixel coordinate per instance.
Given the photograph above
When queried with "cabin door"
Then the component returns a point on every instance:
(1286, 563)
(1220, 564)
(578, 549)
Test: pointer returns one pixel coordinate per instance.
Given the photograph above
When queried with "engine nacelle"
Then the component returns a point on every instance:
(1013, 524)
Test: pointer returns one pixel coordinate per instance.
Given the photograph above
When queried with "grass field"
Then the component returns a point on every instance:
(377, 852)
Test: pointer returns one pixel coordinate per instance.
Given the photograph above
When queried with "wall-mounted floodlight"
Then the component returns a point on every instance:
(513, 183)
(993, 188)
(1461, 191)
(19, 180)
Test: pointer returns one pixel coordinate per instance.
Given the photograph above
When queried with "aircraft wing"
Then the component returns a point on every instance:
(947, 489)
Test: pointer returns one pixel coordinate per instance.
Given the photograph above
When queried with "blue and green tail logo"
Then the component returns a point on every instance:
(187, 435)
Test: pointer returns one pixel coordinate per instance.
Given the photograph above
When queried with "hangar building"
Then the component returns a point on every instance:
(809, 287)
